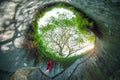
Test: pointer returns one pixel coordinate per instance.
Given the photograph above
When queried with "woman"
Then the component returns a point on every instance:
(49, 65)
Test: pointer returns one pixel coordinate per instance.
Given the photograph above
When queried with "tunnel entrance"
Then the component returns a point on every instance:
(102, 64)
(60, 32)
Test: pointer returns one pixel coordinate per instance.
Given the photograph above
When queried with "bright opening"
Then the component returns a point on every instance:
(60, 34)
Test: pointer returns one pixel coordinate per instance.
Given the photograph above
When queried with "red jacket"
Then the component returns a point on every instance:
(49, 65)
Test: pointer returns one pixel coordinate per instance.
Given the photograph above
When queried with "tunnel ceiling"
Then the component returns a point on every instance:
(103, 62)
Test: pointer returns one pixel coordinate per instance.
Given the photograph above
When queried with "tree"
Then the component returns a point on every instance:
(61, 35)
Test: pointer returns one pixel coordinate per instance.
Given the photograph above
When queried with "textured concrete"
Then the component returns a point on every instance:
(103, 64)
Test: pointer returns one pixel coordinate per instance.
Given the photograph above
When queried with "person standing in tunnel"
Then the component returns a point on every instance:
(49, 66)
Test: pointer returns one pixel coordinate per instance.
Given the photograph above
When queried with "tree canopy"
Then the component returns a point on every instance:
(64, 35)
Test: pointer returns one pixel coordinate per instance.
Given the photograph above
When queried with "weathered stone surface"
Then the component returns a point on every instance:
(16, 15)
(18, 42)
(29, 74)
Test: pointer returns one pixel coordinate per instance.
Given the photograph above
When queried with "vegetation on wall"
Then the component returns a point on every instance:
(36, 45)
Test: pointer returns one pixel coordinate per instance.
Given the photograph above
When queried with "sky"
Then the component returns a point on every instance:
(44, 20)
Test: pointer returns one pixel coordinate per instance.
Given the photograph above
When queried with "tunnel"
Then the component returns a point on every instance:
(103, 63)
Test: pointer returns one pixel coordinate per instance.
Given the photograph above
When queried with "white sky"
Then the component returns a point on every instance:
(44, 20)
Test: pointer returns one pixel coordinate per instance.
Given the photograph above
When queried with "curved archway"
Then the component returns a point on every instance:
(104, 64)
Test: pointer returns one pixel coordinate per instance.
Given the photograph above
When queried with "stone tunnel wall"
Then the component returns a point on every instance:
(16, 15)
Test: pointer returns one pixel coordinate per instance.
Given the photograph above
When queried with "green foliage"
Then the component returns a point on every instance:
(91, 24)
(81, 23)
(43, 53)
